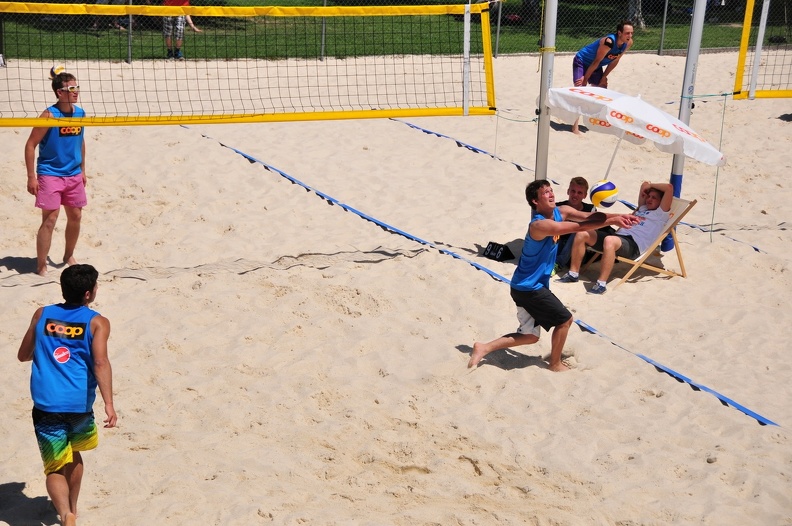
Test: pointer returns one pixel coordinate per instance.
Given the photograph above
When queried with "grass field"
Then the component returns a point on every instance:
(71, 37)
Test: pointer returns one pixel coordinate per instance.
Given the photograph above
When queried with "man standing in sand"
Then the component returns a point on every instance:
(67, 343)
(58, 177)
(606, 51)
(530, 284)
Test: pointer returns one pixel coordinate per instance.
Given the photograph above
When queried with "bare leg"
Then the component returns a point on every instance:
(557, 341)
(579, 243)
(63, 487)
(73, 218)
(576, 127)
(58, 490)
(609, 248)
(480, 350)
(44, 239)
(74, 474)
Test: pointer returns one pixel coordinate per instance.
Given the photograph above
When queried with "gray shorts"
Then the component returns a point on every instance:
(629, 248)
(169, 23)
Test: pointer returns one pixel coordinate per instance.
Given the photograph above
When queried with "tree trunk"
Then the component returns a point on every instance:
(635, 14)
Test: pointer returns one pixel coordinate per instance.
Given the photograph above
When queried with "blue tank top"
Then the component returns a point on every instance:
(60, 151)
(589, 52)
(537, 259)
(62, 378)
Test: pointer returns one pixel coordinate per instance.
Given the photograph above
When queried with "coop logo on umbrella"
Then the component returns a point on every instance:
(622, 117)
(61, 329)
(658, 130)
(598, 122)
(689, 133)
(590, 94)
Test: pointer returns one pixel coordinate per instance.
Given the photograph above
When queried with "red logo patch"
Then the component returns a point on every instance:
(61, 354)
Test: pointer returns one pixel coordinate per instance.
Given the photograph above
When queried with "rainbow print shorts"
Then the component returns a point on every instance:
(59, 435)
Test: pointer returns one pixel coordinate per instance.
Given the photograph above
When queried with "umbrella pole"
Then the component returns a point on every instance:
(614, 154)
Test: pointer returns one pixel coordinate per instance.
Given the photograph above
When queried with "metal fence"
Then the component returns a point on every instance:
(660, 25)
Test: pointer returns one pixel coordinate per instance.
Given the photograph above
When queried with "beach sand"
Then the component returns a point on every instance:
(280, 360)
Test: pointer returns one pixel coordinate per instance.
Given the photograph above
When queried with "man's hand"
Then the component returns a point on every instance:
(112, 418)
(626, 220)
(32, 185)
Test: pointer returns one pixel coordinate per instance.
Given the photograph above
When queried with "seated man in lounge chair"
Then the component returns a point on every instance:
(654, 205)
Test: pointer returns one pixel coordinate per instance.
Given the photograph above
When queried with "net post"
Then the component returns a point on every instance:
(2, 41)
(466, 63)
(758, 49)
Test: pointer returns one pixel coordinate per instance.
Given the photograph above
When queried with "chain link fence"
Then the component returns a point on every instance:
(661, 26)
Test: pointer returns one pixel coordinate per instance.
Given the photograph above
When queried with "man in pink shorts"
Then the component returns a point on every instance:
(58, 175)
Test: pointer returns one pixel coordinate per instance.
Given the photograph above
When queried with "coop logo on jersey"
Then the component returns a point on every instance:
(70, 131)
(61, 354)
(62, 329)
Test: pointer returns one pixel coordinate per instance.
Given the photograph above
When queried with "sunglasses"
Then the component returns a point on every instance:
(71, 89)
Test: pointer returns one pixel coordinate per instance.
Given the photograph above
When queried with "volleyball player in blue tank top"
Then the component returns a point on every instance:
(57, 177)
(530, 286)
(67, 343)
(605, 52)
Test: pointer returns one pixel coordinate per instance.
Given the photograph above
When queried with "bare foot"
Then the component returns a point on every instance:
(558, 368)
(70, 519)
(41, 270)
(479, 352)
(575, 130)
(69, 261)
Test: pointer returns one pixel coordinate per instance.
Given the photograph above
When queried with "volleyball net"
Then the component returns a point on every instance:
(764, 64)
(248, 64)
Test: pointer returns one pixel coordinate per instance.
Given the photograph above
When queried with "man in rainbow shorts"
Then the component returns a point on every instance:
(67, 343)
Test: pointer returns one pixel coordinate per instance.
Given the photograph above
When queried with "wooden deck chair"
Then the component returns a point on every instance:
(679, 208)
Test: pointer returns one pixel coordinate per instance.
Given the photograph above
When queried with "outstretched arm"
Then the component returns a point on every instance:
(100, 327)
(593, 220)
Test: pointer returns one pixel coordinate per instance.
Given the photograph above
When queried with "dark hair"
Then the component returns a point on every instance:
(76, 280)
(532, 191)
(60, 79)
(580, 181)
(625, 22)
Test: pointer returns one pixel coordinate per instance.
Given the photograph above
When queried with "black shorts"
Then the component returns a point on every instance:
(629, 248)
(543, 306)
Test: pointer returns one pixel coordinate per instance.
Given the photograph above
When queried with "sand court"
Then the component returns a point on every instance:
(279, 360)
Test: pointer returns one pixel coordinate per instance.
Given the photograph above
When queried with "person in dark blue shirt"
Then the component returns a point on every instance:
(604, 52)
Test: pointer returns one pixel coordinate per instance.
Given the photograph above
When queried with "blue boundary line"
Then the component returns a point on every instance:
(347, 208)
(681, 378)
(331, 200)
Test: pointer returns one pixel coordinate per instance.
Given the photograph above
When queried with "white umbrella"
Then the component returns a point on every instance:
(630, 118)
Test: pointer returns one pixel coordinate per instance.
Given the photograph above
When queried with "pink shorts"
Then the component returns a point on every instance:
(56, 191)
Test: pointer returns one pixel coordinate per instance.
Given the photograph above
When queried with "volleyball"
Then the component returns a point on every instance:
(56, 70)
(604, 193)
